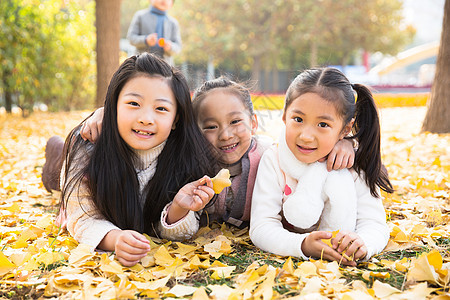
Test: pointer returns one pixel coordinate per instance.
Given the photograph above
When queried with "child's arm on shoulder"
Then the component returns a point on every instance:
(342, 156)
(92, 126)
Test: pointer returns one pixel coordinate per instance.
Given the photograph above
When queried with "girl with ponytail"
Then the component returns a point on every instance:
(296, 202)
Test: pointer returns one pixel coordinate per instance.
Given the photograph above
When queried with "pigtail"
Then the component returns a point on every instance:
(367, 131)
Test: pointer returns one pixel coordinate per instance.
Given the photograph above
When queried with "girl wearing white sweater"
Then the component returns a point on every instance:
(146, 171)
(296, 202)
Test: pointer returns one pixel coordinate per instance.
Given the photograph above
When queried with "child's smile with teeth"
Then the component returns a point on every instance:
(149, 104)
(143, 132)
(230, 147)
(227, 124)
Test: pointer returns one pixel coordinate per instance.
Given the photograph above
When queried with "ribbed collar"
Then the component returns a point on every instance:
(148, 157)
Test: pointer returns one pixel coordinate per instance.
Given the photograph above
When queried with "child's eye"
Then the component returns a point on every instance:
(133, 103)
(210, 127)
(235, 121)
(323, 125)
(161, 108)
(298, 119)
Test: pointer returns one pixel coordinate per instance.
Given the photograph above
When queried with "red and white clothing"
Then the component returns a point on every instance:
(281, 176)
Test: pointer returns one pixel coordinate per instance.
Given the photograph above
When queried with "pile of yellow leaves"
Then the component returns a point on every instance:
(39, 260)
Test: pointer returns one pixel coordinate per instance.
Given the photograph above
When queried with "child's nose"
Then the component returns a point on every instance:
(146, 118)
(307, 135)
(225, 134)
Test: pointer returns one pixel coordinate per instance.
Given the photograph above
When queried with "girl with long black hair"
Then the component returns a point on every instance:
(146, 172)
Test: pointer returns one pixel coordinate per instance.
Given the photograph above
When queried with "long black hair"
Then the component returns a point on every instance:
(109, 172)
(333, 86)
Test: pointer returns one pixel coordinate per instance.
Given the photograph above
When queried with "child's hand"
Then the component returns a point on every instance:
(129, 246)
(91, 128)
(167, 45)
(151, 39)
(351, 243)
(313, 246)
(193, 196)
(341, 157)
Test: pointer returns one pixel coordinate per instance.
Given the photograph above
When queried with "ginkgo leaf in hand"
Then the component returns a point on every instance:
(221, 181)
(328, 241)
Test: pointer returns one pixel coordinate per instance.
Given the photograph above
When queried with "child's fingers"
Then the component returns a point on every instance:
(319, 235)
(209, 182)
(353, 247)
(131, 241)
(344, 244)
(130, 255)
(127, 263)
(338, 162)
(197, 203)
(204, 180)
(208, 190)
(84, 132)
(94, 132)
(330, 254)
(361, 253)
(203, 195)
(141, 237)
(330, 161)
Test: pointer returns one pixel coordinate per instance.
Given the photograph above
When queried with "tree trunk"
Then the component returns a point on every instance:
(437, 119)
(107, 16)
(7, 91)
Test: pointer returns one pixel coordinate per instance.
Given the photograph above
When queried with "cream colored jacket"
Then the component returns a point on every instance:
(89, 227)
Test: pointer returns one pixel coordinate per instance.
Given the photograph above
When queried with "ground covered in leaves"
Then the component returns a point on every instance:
(38, 260)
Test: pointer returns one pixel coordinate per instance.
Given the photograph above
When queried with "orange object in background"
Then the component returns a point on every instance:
(161, 42)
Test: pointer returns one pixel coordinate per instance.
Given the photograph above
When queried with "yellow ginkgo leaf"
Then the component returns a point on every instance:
(81, 253)
(110, 266)
(221, 181)
(383, 290)
(288, 266)
(14, 208)
(306, 269)
(180, 290)
(5, 264)
(222, 272)
(328, 241)
(200, 294)
(434, 217)
(163, 257)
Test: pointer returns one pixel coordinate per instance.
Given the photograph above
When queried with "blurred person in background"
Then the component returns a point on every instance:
(153, 30)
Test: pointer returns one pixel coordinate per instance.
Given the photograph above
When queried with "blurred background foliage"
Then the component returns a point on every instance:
(46, 53)
(47, 47)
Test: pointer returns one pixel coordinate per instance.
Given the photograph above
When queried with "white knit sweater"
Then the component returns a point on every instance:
(273, 186)
(89, 227)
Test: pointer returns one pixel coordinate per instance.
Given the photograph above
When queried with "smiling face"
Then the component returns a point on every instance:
(146, 112)
(313, 127)
(227, 124)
